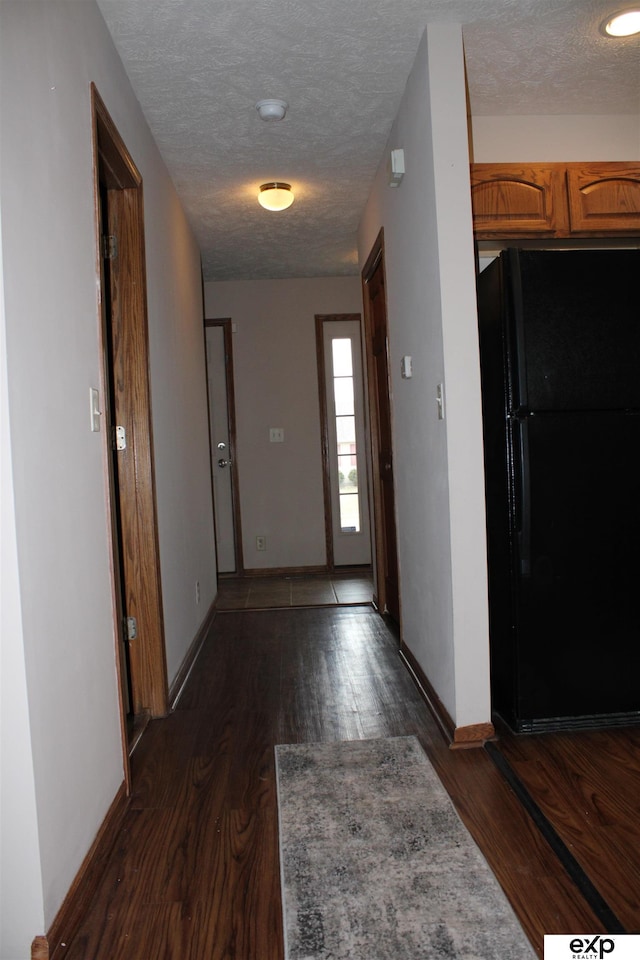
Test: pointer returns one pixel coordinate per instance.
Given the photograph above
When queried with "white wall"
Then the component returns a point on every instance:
(438, 466)
(50, 52)
(180, 419)
(555, 138)
(276, 385)
(21, 905)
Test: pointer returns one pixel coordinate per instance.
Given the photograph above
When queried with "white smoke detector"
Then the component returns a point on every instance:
(271, 109)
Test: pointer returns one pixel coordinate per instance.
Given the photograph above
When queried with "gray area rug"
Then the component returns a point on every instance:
(377, 865)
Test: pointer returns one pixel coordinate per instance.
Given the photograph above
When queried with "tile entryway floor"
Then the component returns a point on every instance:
(252, 593)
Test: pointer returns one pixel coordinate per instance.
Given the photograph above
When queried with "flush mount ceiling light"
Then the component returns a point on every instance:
(623, 24)
(275, 195)
(272, 109)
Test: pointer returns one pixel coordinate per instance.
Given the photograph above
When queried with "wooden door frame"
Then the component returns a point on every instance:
(136, 479)
(378, 536)
(227, 328)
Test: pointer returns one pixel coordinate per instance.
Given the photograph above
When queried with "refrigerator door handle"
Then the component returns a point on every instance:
(517, 354)
(523, 498)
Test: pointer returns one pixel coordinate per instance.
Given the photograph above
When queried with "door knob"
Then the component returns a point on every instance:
(223, 463)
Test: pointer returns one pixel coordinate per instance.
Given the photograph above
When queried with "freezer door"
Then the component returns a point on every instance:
(576, 565)
(573, 329)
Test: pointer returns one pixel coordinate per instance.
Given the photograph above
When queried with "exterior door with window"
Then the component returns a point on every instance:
(222, 436)
(345, 462)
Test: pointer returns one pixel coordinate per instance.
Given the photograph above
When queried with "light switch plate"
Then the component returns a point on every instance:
(94, 409)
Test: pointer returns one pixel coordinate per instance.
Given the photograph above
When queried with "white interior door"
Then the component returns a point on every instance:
(220, 449)
(344, 391)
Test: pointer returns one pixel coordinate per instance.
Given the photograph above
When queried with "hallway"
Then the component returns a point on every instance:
(194, 873)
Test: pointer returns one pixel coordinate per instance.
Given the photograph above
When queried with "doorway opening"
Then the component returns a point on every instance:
(222, 435)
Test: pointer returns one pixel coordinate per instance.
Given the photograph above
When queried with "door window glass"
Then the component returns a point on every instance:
(344, 397)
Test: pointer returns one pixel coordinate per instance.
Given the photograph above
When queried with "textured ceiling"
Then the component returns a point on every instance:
(198, 68)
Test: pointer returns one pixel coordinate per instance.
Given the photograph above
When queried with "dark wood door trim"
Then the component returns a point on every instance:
(384, 557)
(132, 399)
(227, 328)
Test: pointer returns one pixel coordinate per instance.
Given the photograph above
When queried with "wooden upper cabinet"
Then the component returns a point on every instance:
(517, 201)
(604, 197)
(520, 201)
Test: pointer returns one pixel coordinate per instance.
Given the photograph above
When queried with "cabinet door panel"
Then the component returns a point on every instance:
(604, 197)
(515, 201)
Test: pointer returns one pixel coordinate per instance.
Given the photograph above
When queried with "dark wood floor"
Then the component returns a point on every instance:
(587, 787)
(355, 586)
(194, 872)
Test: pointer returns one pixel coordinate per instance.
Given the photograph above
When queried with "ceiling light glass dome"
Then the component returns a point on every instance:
(275, 195)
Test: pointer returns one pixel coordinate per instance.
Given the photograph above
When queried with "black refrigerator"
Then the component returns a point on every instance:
(560, 364)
